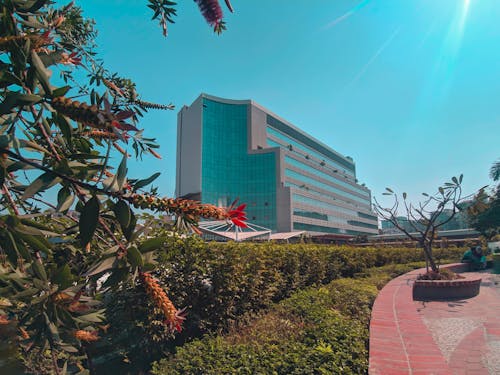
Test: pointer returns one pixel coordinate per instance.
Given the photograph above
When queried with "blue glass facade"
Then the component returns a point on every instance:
(229, 171)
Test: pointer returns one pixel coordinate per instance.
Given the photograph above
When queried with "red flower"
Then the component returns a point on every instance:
(211, 10)
(237, 215)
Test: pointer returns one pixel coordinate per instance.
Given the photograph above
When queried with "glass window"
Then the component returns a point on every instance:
(324, 152)
(336, 180)
(320, 228)
(322, 206)
(228, 171)
(312, 182)
(291, 145)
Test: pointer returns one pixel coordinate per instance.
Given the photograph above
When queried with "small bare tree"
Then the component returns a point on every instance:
(425, 218)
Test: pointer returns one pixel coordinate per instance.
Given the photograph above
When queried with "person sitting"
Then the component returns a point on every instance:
(474, 256)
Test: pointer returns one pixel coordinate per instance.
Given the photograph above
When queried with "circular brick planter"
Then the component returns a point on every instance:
(427, 290)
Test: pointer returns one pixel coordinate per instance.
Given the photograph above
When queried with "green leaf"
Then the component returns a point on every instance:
(35, 224)
(63, 277)
(389, 190)
(18, 165)
(54, 331)
(134, 257)
(404, 195)
(89, 218)
(9, 79)
(64, 370)
(441, 190)
(141, 183)
(23, 251)
(42, 72)
(32, 146)
(43, 182)
(152, 244)
(115, 183)
(455, 180)
(95, 317)
(147, 267)
(102, 266)
(14, 99)
(5, 140)
(24, 229)
(39, 270)
(30, 5)
(61, 91)
(41, 285)
(27, 293)
(129, 231)
(64, 125)
(123, 213)
(11, 249)
(460, 178)
(36, 243)
(121, 174)
(64, 199)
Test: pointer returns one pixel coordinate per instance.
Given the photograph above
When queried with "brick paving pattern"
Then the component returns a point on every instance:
(445, 337)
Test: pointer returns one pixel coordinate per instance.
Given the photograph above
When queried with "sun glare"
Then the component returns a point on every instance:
(463, 17)
(445, 66)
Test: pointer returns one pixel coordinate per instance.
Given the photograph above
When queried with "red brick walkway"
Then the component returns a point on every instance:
(448, 337)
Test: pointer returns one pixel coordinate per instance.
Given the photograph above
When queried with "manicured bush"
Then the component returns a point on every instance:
(303, 336)
(352, 298)
(379, 276)
(318, 330)
(220, 283)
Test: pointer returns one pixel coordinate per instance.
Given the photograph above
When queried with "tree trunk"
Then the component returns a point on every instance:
(429, 258)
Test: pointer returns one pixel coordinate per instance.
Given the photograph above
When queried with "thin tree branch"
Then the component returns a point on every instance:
(9, 198)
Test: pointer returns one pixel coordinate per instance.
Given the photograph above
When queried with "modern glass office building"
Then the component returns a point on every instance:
(228, 149)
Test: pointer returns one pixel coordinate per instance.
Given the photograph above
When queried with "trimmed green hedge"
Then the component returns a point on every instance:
(302, 336)
(219, 283)
(316, 331)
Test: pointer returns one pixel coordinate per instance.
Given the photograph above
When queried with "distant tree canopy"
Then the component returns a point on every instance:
(484, 213)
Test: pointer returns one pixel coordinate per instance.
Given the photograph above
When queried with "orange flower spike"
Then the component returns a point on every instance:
(58, 21)
(173, 317)
(86, 336)
(24, 333)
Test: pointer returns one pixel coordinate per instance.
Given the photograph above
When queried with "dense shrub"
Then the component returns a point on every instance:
(305, 334)
(322, 330)
(219, 283)
(379, 276)
(350, 297)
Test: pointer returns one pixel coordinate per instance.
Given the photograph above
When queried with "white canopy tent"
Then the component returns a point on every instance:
(228, 231)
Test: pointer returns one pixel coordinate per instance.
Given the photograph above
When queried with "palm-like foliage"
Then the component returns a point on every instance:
(495, 171)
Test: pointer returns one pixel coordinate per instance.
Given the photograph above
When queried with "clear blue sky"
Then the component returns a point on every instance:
(409, 89)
